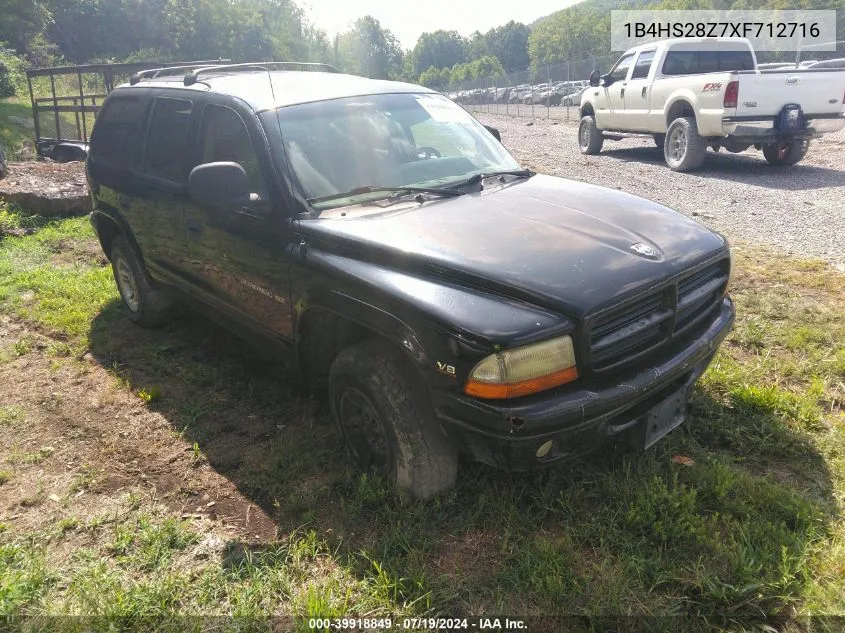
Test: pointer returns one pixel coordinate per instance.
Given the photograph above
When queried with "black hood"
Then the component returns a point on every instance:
(559, 243)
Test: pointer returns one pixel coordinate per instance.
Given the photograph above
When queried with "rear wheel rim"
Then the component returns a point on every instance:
(365, 434)
(783, 150)
(678, 144)
(127, 285)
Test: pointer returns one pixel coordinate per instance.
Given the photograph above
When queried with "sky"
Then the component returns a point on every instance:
(407, 21)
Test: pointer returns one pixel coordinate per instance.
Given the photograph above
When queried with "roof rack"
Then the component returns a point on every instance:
(172, 69)
(191, 77)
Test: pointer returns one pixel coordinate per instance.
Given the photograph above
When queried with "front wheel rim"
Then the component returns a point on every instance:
(584, 135)
(127, 285)
(364, 431)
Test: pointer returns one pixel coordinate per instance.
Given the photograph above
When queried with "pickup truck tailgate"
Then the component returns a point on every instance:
(764, 94)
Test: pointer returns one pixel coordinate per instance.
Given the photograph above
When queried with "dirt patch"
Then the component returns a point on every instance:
(46, 188)
(78, 442)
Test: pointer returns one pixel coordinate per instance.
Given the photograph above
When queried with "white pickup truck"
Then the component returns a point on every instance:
(694, 93)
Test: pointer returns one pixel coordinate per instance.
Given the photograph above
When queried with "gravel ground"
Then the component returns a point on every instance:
(800, 209)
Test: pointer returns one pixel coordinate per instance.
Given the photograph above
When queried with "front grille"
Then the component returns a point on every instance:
(637, 328)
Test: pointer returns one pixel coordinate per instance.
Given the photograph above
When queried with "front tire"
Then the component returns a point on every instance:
(386, 421)
(788, 153)
(590, 137)
(148, 305)
(684, 148)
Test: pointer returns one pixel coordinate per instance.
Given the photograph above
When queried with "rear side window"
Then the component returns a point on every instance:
(117, 132)
(167, 139)
(695, 62)
(643, 65)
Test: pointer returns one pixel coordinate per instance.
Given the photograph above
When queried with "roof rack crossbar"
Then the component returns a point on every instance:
(176, 67)
(192, 76)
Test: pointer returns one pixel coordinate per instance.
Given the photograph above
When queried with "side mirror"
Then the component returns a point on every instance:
(595, 78)
(494, 132)
(223, 185)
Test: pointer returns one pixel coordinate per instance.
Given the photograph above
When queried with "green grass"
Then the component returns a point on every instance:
(13, 135)
(752, 529)
(36, 285)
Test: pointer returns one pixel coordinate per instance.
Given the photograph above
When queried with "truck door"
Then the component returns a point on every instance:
(159, 203)
(612, 95)
(637, 100)
(237, 255)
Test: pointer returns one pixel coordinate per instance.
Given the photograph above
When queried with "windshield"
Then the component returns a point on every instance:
(386, 140)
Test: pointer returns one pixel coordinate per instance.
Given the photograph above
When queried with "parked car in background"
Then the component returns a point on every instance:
(699, 92)
(828, 63)
(575, 98)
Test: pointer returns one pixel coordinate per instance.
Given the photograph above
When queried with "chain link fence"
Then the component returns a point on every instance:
(554, 90)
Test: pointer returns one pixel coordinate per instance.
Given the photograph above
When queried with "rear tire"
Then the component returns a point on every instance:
(590, 137)
(684, 148)
(386, 421)
(148, 305)
(788, 153)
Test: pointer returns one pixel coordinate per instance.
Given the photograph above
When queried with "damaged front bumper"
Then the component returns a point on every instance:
(576, 419)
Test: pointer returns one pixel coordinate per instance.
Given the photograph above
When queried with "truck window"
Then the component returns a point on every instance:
(620, 71)
(116, 132)
(735, 60)
(224, 137)
(696, 62)
(643, 65)
(167, 139)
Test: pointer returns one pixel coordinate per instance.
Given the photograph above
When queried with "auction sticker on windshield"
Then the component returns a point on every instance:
(442, 110)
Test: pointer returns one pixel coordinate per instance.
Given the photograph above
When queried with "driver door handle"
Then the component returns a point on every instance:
(645, 90)
(622, 92)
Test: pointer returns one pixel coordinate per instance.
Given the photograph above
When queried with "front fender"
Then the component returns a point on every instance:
(444, 328)
(363, 313)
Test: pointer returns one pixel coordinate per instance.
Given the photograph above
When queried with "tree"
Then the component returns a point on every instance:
(21, 21)
(476, 45)
(437, 78)
(574, 33)
(439, 49)
(509, 43)
(370, 50)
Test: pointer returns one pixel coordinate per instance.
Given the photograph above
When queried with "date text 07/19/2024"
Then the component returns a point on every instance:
(417, 624)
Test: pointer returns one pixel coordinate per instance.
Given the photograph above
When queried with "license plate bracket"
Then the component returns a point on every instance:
(664, 417)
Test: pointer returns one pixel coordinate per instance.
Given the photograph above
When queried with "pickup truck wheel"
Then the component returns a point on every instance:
(148, 305)
(684, 147)
(786, 153)
(590, 137)
(386, 421)
(660, 140)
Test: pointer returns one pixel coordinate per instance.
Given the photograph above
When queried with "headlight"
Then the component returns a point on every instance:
(524, 370)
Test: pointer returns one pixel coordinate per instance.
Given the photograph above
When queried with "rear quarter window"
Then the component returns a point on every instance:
(117, 132)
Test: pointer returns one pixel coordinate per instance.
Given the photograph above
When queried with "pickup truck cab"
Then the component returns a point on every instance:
(699, 92)
(444, 299)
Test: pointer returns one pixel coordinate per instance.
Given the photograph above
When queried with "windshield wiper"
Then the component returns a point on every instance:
(477, 178)
(391, 191)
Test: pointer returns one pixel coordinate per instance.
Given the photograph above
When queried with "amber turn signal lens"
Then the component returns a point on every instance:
(497, 391)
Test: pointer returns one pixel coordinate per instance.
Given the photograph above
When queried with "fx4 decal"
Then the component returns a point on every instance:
(712, 87)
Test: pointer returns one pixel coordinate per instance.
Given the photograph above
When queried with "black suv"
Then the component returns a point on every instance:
(447, 300)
